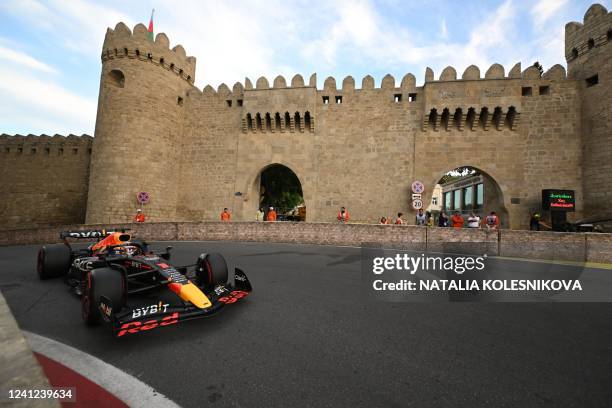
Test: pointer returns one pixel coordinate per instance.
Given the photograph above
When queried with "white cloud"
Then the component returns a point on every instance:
(543, 10)
(33, 102)
(443, 30)
(24, 60)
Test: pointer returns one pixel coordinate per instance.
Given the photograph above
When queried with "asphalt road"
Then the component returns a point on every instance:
(307, 337)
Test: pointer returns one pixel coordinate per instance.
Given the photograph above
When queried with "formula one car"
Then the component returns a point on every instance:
(123, 283)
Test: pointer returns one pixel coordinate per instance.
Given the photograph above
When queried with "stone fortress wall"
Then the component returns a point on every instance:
(43, 180)
(197, 151)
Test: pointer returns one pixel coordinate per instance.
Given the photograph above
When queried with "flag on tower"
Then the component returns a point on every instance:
(151, 38)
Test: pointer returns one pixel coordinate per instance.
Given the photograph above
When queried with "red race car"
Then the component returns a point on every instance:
(133, 289)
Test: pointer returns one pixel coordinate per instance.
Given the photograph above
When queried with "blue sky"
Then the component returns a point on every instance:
(50, 50)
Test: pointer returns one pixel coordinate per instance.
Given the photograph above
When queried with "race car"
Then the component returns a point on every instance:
(133, 289)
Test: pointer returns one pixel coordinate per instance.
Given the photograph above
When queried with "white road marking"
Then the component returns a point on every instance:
(127, 388)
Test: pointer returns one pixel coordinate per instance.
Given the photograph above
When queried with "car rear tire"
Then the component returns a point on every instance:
(211, 270)
(106, 282)
(53, 261)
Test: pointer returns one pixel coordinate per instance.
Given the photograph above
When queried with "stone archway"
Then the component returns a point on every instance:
(277, 185)
(470, 189)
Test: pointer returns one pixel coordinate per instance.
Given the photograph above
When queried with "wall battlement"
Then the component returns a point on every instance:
(123, 43)
(45, 145)
(594, 31)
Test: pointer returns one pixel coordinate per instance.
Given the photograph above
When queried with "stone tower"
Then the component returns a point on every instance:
(139, 124)
(588, 51)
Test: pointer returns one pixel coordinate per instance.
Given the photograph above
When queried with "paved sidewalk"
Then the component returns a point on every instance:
(19, 369)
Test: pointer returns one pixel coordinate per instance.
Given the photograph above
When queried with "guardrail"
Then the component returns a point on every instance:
(581, 247)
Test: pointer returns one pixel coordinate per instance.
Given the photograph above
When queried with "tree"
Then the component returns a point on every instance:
(539, 67)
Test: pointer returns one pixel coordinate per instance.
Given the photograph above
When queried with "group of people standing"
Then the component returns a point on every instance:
(491, 221)
(427, 219)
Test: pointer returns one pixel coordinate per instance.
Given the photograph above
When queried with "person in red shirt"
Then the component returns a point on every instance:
(399, 220)
(139, 217)
(343, 215)
(492, 221)
(271, 215)
(225, 215)
(457, 220)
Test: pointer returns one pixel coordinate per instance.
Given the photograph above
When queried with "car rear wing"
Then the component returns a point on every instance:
(89, 234)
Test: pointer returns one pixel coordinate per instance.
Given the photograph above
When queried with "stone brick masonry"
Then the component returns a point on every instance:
(198, 151)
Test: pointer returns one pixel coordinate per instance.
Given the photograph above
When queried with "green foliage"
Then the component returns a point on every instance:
(281, 188)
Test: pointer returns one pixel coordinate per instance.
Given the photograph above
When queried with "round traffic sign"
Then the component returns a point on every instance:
(143, 197)
(417, 203)
(418, 187)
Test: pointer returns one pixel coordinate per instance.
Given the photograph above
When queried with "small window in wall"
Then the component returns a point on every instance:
(7, 150)
(545, 90)
(338, 99)
(325, 100)
(116, 78)
(75, 151)
(47, 151)
(574, 53)
(457, 200)
(33, 150)
(60, 151)
(239, 102)
(19, 150)
(593, 80)
(479, 195)
(249, 121)
(397, 98)
(467, 197)
(591, 43)
(161, 61)
(229, 103)
(412, 97)
(526, 91)
(609, 35)
(89, 151)
(179, 101)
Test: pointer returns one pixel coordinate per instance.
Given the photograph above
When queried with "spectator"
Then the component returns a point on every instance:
(225, 215)
(457, 220)
(421, 219)
(442, 220)
(492, 221)
(473, 221)
(399, 220)
(260, 215)
(343, 215)
(139, 217)
(271, 214)
(383, 220)
(430, 220)
(388, 220)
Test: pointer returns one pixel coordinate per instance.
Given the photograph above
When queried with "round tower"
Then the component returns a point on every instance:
(139, 125)
(588, 51)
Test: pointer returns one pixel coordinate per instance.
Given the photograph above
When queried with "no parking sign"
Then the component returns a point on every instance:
(418, 187)
(143, 197)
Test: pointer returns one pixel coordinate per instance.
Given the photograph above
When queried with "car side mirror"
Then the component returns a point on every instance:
(166, 255)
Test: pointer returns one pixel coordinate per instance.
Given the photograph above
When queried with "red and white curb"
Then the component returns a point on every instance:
(123, 386)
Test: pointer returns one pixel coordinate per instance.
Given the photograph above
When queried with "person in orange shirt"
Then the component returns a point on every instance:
(343, 215)
(271, 215)
(225, 215)
(457, 220)
(139, 217)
